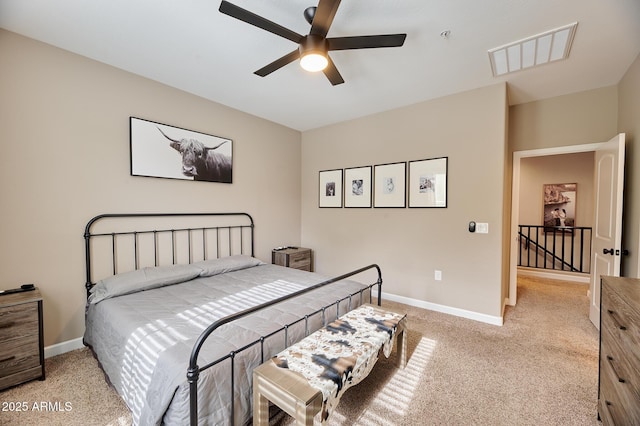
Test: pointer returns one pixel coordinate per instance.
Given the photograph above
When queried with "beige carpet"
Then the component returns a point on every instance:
(539, 368)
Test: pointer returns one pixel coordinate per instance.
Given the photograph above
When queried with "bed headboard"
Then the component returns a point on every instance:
(116, 243)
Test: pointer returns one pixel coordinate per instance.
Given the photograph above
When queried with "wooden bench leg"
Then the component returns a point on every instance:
(401, 338)
(288, 390)
(260, 407)
(304, 414)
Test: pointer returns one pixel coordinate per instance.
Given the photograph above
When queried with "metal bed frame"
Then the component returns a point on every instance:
(244, 226)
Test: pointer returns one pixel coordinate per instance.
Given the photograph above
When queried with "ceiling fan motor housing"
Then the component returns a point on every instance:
(313, 43)
(313, 53)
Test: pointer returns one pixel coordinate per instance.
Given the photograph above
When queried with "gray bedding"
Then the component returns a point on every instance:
(143, 339)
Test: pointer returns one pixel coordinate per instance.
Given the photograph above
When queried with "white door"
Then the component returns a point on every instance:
(607, 228)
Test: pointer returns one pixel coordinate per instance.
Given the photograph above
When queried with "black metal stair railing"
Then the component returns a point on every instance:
(564, 248)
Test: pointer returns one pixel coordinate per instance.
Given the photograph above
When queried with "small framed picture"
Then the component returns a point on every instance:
(390, 185)
(357, 187)
(428, 182)
(330, 189)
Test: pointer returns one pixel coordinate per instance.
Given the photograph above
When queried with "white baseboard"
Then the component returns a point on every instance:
(489, 319)
(60, 348)
(567, 276)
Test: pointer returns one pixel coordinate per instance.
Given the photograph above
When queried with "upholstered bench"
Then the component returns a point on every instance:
(312, 375)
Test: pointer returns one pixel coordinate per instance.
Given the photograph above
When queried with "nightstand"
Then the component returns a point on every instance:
(21, 338)
(292, 257)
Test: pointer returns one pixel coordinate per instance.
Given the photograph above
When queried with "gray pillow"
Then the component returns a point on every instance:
(142, 279)
(226, 264)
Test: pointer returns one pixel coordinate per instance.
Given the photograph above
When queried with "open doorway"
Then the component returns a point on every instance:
(556, 215)
(607, 220)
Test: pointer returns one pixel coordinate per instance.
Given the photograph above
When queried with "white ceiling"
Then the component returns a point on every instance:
(189, 45)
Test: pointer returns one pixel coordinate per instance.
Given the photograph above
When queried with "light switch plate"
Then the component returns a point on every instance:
(482, 228)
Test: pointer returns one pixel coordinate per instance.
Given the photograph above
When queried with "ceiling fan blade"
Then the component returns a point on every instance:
(323, 18)
(278, 63)
(258, 21)
(332, 73)
(366, 42)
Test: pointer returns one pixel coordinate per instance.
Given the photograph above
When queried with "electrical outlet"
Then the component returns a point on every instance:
(482, 228)
(438, 275)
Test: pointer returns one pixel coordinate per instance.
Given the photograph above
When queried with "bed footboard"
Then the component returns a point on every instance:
(193, 373)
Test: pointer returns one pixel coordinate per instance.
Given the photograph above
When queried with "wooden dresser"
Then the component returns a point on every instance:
(21, 338)
(292, 257)
(619, 372)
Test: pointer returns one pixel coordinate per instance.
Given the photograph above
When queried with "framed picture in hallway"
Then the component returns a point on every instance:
(559, 206)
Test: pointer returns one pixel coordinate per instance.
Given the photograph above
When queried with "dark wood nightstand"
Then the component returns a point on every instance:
(21, 338)
(292, 257)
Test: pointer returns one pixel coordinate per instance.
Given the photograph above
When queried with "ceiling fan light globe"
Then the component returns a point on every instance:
(313, 62)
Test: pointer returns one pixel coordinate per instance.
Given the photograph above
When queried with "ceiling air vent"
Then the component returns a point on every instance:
(550, 46)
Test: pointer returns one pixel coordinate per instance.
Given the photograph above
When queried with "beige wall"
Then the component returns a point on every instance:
(65, 159)
(629, 123)
(579, 118)
(409, 244)
(566, 168)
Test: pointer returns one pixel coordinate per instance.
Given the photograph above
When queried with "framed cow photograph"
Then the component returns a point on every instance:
(160, 150)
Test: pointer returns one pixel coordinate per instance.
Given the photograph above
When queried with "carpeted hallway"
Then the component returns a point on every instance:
(539, 368)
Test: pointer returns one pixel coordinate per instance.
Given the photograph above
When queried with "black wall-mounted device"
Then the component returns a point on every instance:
(472, 226)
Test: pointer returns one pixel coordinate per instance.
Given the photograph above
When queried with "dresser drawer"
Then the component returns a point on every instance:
(19, 354)
(18, 321)
(300, 260)
(617, 363)
(605, 412)
(622, 325)
(616, 400)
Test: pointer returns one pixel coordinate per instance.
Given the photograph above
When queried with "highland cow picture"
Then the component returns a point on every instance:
(160, 150)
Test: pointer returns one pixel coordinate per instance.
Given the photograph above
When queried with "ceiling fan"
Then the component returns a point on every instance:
(313, 48)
